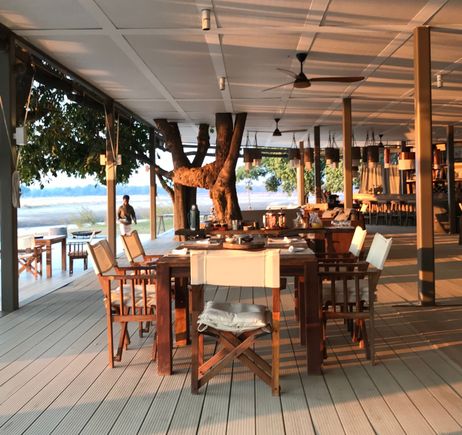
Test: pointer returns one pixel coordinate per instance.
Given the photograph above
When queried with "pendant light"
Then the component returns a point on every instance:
(386, 158)
(257, 155)
(248, 157)
(294, 154)
(355, 156)
(437, 158)
(406, 161)
(308, 155)
(373, 154)
(332, 153)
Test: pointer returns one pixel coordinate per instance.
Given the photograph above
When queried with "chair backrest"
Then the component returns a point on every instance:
(26, 243)
(132, 246)
(102, 257)
(357, 242)
(236, 268)
(379, 250)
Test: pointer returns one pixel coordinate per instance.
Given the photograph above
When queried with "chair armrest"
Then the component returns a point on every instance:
(128, 277)
(347, 274)
(339, 255)
(152, 257)
(136, 267)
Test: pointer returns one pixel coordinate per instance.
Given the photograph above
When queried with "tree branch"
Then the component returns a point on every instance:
(172, 139)
(203, 145)
(165, 186)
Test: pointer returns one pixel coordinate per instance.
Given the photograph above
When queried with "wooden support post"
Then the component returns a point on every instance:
(317, 163)
(424, 182)
(152, 185)
(9, 216)
(402, 174)
(111, 176)
(301, 176)
(452, 203)
(347, 139)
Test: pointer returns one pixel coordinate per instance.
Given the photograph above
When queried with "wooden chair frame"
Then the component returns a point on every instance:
(128, 302)
(357, 311)
(29, 256)
(134, 250)
(233, 346)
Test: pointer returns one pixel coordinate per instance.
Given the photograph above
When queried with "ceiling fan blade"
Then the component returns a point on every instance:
(293, 131)
(278, 86)
(287, 71)
(337, 79)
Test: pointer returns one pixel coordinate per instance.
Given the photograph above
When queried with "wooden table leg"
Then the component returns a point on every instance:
(300, 283)
(63, 255)
(313, 318)
(181, 312)
(164, 321)
(48, 260)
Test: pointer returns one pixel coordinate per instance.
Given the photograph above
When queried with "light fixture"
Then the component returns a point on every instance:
(294, 154)
(372, 154)
(205, 15)
(308, 155)
(248, 157)
(437, 158)
(355, 156)
(439, 81)
(20, 136)
(332, 153)
(222, 83)
(386, 158)
(406, 161)
(276, 131)
(257, 155)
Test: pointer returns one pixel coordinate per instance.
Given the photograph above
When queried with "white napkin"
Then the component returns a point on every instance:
(183, 251)
(203, 242)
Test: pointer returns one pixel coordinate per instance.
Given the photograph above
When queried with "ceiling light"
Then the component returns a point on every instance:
(222, 83)
(276, 131)
(205, 15)
(439, 81)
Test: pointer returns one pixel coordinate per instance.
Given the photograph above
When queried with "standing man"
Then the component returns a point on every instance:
(126, 216)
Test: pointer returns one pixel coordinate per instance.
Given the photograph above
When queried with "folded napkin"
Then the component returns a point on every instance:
(203, 242)
(183, 251)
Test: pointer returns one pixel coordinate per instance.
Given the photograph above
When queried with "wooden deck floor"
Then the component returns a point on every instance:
(54, 376)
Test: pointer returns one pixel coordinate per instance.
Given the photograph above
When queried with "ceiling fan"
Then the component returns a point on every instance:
(278, 132)
(302, 81)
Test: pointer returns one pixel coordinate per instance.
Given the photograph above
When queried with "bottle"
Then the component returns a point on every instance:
(194, 218)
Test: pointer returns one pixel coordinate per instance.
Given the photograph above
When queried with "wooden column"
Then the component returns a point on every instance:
(424, 183)
(152, 185)
(347, 139)
(317, 163)
(111, 174)
(452, 203)
(8, 214)
(301, 176)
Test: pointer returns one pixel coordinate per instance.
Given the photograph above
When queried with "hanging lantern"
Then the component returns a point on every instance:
(406, 161)
(437, 159)
(386, 157)
(248, 159)
(309, 158)
(308, 154)
(372, 156)
(355, 157)
(257, 155)
(332, 153)
(294, 154)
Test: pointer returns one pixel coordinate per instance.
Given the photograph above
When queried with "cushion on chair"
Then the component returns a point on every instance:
(235, 318)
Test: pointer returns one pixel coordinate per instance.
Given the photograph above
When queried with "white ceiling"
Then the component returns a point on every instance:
(153, 57)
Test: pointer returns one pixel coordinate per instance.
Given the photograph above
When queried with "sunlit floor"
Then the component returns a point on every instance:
(54, 375)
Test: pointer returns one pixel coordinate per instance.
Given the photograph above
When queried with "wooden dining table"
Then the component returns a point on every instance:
(47, 242)
(294, 264)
